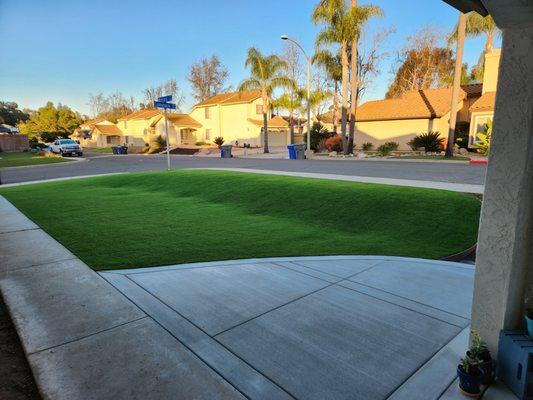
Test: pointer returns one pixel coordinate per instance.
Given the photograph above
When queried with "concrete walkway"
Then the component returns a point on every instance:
(454, 187)
(342, 327)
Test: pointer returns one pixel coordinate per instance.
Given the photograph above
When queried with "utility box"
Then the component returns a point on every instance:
(515, 363)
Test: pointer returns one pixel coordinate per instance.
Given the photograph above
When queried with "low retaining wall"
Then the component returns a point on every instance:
(14, 142)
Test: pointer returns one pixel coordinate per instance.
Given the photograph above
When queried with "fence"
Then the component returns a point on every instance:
(14, 142)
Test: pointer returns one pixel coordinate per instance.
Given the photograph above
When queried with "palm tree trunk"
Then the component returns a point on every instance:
(354, 87)
(489, 44)
(344, 83)
(291, 127)
(335, 106)
(461, 31)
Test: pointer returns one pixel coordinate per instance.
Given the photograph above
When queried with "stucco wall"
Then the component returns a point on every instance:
(490, 75)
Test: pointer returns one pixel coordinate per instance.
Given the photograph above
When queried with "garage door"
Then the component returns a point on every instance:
(277, 139)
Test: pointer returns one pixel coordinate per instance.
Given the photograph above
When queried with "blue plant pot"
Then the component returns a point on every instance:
(529, 323)
(469, 384)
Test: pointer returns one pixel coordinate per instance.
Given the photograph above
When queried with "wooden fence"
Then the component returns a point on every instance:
(14, 142)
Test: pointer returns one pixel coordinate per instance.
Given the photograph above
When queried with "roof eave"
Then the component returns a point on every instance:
(467, 6)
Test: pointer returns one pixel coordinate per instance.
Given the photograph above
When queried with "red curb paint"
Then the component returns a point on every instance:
(479, 162)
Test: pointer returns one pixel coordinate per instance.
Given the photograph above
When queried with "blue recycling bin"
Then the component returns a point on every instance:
(292, 152)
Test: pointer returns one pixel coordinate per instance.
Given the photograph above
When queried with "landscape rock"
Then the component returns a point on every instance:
(463, 151)
(333, 154)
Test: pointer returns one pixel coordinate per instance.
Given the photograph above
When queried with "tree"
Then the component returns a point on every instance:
(60, 121)
(476, 25)
(422, 64)
(456, 82)
(333, 68)
(208, 77)
(167, 88)
(361, 15)
(266, 74)
(111, 107)
(292, 101)
(10, 113)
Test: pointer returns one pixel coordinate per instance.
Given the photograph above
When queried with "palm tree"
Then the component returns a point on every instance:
(333, 14)
(461, 32)
(359, 16)
(342, 26)
(266, 74)
(476, 25)
(332, 64)
(291, 104)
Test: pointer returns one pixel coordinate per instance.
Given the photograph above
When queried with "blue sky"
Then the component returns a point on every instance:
(63, 50)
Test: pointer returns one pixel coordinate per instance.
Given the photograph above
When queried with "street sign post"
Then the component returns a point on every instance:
(164, 103)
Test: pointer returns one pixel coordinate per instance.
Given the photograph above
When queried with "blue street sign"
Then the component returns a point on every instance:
(165, 99)
(159, 104)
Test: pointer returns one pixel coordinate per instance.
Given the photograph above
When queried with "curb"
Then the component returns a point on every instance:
(75, 160)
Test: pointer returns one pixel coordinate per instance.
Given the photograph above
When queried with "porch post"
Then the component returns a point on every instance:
(504, 268)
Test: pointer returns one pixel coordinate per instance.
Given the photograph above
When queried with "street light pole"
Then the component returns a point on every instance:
(308, 94)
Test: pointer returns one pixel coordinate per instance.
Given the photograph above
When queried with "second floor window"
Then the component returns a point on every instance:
(207, 112)
(259, 109)
(208, 134)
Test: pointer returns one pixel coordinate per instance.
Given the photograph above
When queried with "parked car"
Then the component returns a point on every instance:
(66, 147)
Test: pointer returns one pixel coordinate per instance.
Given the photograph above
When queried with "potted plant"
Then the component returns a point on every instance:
(529, 321)
(470, 376)
(479, 351)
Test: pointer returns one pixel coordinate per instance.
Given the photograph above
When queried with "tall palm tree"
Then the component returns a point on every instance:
(461, 32)
(359, 16)
(266, 74)
(332, 64)
(333, 15)
(476, 25)
(291, 104)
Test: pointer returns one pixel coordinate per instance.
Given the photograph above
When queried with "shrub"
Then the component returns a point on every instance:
(318, 134)
(386, 148)
(334, 143)
(483, 145)
(219, 141)
(462, 130)
(49, 137)
(430, 141)
(159, 141)
(200, 143)
(367, 146)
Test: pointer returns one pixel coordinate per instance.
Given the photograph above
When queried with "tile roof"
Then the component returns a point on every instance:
(276, 122)
(93, 122)
(231, 98)
(142, 114)
(108, 129)
(485, 102)
(473, 90)
(183, 120)
(416, 104)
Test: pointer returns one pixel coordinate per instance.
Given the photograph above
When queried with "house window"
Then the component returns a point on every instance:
(259, 109)
(207, 112)
(480, 124)
(208, 134)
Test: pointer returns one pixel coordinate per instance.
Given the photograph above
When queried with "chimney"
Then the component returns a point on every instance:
(490, 75)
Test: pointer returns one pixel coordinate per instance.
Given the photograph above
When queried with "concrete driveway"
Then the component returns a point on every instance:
(315, 328)
(423, 171)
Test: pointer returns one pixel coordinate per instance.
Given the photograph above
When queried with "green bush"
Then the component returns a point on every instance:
(462, 130)
(430, 141)
(160, 141)
(200, 143)
(483, 146)
(219, 141)
(318, 134)
(367, 146)
(49, 137)
(386, 148)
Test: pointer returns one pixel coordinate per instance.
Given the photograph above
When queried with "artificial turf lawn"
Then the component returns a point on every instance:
(162, 218)
(26, 158)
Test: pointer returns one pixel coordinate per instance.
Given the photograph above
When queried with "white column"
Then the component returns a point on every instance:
(504, 267)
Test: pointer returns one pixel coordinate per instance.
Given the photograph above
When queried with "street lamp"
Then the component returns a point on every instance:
(285, 37)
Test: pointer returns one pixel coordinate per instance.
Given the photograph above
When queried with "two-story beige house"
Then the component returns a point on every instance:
(144, 126)
(238, 118)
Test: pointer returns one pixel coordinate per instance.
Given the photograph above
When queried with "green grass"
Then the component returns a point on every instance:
(436, 158)
(26, 158)
(104, 150)
(162, 218)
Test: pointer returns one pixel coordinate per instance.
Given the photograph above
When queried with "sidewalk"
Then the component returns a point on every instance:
(454, 187)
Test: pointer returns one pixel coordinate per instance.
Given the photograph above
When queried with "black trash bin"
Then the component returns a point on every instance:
(114, 149)
(225, 151)
(124, 150)
(299, 149)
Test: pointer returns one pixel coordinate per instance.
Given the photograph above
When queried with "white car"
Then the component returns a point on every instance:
(66, 147)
